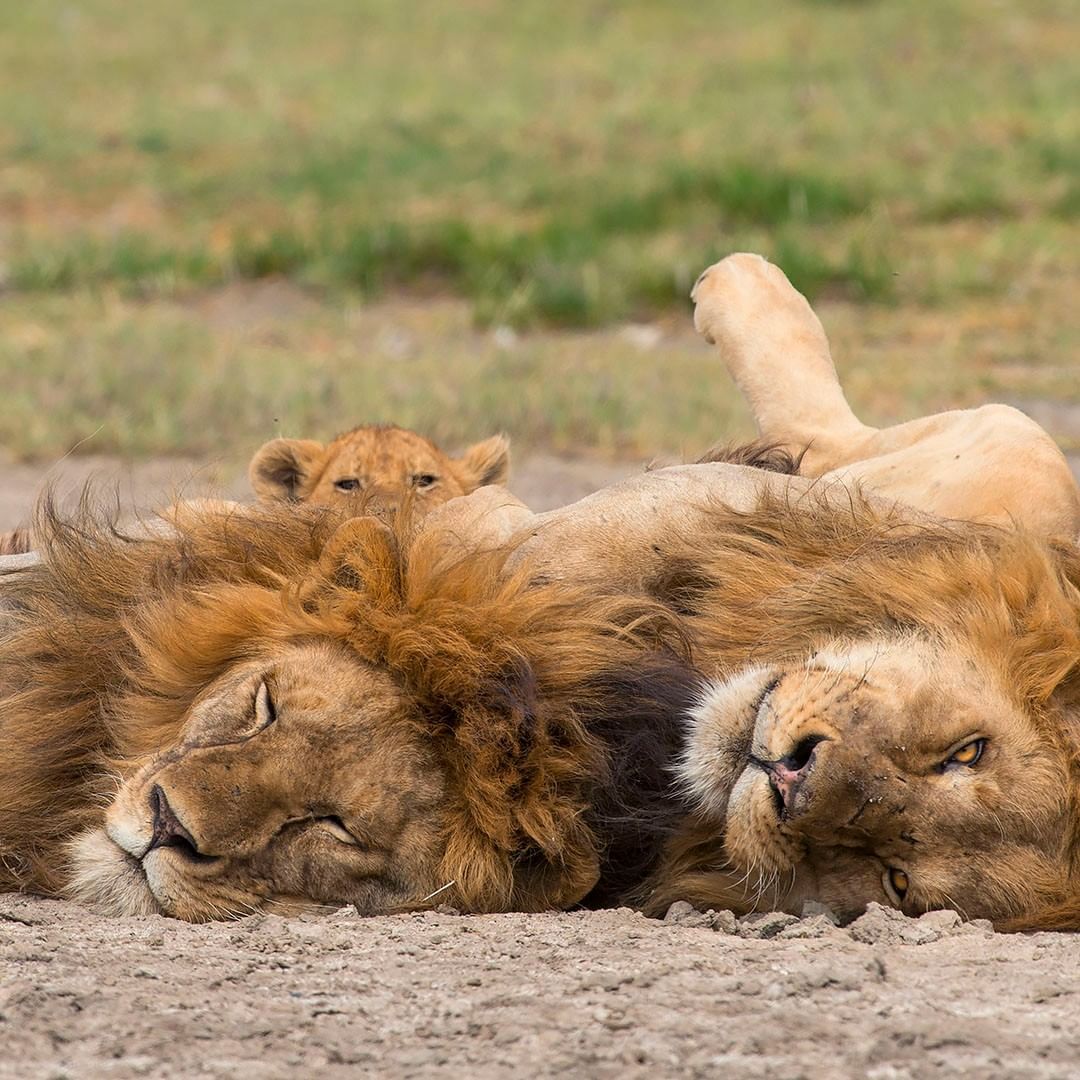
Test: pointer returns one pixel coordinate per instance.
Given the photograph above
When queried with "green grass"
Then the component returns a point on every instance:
(567, 164)
(562, 169)
(219, 373)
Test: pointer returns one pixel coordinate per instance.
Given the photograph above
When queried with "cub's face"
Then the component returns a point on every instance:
(295, 783)
(379, 468)
(893, 771)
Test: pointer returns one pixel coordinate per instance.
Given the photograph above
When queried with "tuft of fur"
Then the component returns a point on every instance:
(16, 542)
(756, 454)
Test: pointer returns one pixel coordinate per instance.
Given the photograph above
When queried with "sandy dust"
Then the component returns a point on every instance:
(599, 994)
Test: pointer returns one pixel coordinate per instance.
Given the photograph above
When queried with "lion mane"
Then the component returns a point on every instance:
(553, 709)
(771, 586)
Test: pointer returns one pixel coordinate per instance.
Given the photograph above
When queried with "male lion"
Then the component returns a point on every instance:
(887, 708)
(382, 464)
(286, 708)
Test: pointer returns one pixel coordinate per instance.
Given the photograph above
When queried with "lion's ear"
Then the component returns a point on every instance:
(280, 467)
(484, 463)
(363, 557)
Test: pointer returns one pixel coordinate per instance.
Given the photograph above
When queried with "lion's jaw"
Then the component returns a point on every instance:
(826, 778)
(296, 784)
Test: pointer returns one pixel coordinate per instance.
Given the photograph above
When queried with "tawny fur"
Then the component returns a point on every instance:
(774, 584)
(111, 639)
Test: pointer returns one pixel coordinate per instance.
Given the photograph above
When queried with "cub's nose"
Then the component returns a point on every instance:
(168, 829)
(788, 774)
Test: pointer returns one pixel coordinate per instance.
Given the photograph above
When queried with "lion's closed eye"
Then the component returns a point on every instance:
(336, 828)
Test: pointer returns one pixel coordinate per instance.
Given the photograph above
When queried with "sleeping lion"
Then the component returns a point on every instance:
(285, 709)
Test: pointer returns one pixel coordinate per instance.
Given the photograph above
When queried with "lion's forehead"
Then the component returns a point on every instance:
(390, 452)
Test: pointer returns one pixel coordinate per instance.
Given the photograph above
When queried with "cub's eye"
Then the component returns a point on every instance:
(336, 828)
(347, 483)
(967, 755)
(896, 884)
(265, 713)
(423, 480)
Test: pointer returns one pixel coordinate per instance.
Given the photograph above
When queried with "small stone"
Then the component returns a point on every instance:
(878, 924)
(811, 908)
(942, 921)
(767, 925)
(917, 934)
(816, 926)
(724, 922)
(683, 914)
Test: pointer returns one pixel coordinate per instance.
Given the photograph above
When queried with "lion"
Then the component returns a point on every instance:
(889, 704)
(382, 464)
(289, 709)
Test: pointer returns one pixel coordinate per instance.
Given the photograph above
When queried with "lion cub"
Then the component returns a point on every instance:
(380, 463)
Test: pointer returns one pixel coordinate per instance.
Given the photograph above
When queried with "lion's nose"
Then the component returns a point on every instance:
(788, 774)
(169, 831)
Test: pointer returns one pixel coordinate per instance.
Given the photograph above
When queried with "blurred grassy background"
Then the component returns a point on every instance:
(220, 221)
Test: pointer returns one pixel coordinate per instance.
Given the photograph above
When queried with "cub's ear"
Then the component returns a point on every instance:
(486, 462)
(281, 466)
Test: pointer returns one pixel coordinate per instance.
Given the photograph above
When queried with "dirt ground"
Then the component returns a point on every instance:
(599, 994)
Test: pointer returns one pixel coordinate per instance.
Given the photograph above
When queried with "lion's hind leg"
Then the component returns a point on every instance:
(776, 350)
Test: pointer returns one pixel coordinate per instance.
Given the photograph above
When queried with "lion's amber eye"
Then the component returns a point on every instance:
(968, 754)
(347, 483)
(896, 884)
(423, 480)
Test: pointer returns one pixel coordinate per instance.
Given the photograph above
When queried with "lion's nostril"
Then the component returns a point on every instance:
(169, 831)
(801, 756)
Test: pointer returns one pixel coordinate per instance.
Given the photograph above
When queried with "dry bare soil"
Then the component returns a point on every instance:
(598, 994)
(589, 994)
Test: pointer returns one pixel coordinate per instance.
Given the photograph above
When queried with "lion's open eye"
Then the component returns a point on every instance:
(423, 480)
(347, 483)
(896, 884)
(967, 755)
(336, 828)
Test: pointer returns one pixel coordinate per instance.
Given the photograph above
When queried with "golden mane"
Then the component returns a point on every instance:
(111, 638)
(773, 581)
(777, 583)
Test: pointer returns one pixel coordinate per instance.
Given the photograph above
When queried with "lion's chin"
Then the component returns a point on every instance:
(104, 875)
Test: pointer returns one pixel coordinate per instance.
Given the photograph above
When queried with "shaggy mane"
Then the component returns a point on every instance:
(114, 635)
(775, 583)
